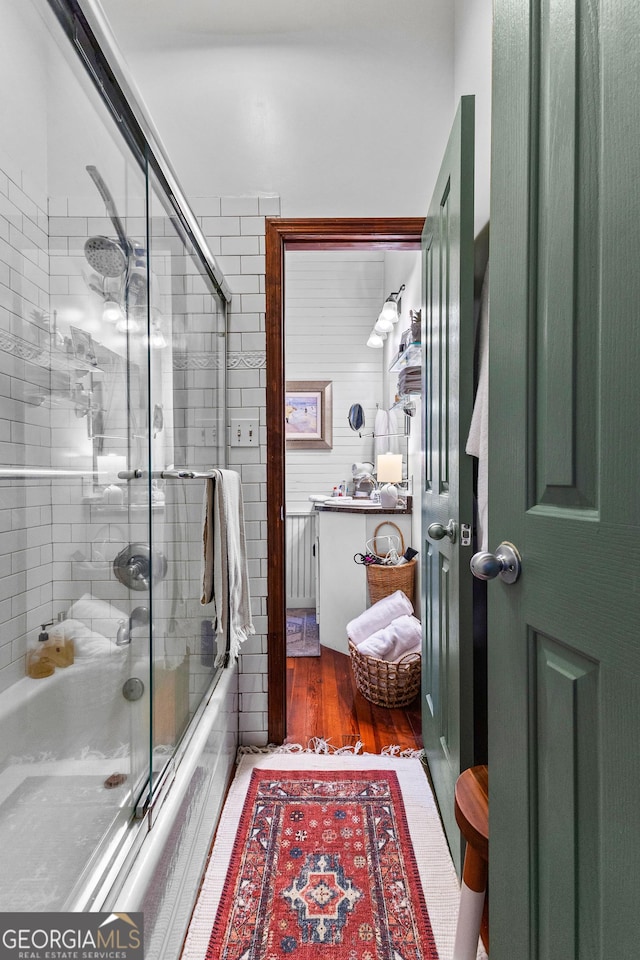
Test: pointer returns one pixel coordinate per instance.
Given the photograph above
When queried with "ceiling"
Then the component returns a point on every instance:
(140, 24)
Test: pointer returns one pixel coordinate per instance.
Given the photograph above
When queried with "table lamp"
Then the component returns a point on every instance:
(389, 472)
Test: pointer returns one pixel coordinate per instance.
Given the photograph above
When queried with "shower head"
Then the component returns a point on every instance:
(105, 256)
(103, 190)
(108, 257)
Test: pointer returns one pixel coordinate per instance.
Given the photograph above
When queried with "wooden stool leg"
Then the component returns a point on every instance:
(472, 894)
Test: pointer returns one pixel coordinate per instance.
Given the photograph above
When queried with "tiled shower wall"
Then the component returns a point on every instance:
(235, 231)
(186, 381)
(25, 509)
(32, 589)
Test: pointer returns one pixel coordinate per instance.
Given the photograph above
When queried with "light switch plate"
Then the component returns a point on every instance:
(244, 433)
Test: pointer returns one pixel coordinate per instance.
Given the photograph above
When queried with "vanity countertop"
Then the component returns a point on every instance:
(354, 507)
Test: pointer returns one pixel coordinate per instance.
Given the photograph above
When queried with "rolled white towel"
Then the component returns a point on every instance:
(98, 615)
(416, 649)
(379, 615)
(86, 642)
(403, 635)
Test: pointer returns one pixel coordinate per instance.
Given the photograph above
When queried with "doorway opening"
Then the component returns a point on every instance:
(282, 236)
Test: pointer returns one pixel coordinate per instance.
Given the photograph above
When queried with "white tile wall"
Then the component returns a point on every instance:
(44, 564)
(240, 228)
(186, 380)
(25, 436)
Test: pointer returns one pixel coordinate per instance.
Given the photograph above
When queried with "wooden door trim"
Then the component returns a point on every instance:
(309, 234)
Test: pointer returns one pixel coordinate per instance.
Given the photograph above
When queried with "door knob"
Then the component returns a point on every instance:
(504, 563)
(437, 532)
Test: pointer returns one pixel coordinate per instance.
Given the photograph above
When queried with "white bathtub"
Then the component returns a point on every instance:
(60, 825)
(78, 709)
(164, 876)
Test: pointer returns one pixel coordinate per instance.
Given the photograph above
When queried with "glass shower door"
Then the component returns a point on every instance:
(74, 661)
(187, 402)
(112, 403)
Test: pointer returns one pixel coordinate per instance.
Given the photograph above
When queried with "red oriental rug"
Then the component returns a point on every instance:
(323, 865)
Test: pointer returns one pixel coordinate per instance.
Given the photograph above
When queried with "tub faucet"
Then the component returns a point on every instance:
(139, 617)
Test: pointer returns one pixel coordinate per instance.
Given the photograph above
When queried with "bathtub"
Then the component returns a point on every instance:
(165, 874)
(79, 709)
(68, 837)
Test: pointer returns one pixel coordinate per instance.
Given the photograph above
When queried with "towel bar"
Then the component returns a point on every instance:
(182, 474)
(43, 473)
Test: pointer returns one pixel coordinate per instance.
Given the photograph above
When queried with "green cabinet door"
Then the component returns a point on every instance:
(564, 478)
(447, 494)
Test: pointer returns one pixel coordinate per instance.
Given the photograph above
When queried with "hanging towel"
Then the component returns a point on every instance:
(240, 621)
(379, 615)
(396, 430)
(381, 432)
(388, 431)
(215, 580)
(478, 439)
(208, 536)
(180, 631)
(225, 576)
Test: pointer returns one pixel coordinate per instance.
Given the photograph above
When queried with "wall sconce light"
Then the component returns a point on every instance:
(127, 325)
(386, 319)
(111, 311)
(389, 313)
(389, 472)
(375, 340)
(383, 325)
(157, 338)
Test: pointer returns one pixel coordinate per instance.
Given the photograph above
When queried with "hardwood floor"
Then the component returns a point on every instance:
(322, 701)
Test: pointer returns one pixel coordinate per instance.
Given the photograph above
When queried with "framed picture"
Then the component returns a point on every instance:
(308, 415)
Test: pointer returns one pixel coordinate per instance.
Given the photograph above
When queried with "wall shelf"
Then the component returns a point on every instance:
(411, 357)
(407, 360)
(42, 355)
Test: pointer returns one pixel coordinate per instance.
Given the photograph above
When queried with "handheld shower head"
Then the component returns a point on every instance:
(110, 258)
(105, 256)
(103, 190)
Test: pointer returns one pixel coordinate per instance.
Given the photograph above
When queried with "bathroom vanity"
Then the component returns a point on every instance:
(341, 594)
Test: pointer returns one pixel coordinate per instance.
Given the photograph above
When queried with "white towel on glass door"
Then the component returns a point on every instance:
(225, 576)
(240, 622)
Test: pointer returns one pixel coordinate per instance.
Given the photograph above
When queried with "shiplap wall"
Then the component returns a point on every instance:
(332, 300)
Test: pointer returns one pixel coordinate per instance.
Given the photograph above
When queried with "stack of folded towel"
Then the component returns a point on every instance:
(387, 630)
(410, 380)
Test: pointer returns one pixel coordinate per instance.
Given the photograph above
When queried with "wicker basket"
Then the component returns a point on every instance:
(383, 683)
(384, 580)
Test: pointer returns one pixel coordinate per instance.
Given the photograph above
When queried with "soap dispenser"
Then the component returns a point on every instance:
(57, 647)
(39, 662)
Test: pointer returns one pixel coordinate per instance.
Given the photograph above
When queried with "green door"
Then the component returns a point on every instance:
(447, 497)
(564, 478)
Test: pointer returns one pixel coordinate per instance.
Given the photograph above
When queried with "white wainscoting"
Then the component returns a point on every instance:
(301, 561)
